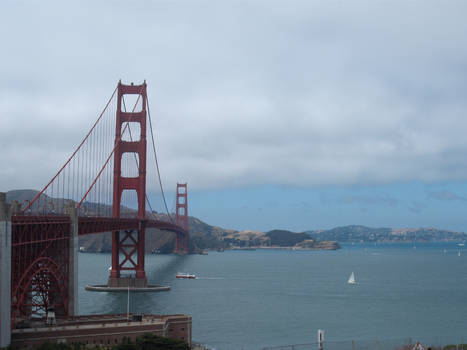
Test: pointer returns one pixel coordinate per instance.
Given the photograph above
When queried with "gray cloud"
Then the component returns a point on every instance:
(243, 93)
(416, 207)
(446, 196)
(369, 200)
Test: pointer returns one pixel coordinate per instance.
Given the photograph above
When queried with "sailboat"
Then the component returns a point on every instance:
(352, 279)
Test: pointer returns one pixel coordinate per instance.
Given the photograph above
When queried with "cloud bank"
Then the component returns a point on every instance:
(301, 93)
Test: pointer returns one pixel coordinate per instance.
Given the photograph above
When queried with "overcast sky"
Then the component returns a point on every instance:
(291, 114)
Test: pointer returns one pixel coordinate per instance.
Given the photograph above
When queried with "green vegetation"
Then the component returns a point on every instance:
(283, 238)
(455, 347)
(151, 342)
(147, 341)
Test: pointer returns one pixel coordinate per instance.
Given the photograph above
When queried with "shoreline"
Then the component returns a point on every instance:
(277, 248)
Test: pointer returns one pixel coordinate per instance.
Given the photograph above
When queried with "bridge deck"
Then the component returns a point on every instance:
(92, 225)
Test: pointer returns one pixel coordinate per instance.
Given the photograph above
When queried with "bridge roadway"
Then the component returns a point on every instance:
(89, 224)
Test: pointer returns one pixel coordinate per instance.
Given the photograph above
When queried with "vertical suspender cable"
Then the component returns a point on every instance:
(71, 157)
(157, 163)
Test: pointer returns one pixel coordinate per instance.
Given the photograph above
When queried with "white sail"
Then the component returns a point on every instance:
(352, 279)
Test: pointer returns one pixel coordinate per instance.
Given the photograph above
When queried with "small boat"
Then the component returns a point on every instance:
(184, 275)
(460, 244)
(352, 279)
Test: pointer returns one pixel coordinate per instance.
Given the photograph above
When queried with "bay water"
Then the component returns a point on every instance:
(254, 299)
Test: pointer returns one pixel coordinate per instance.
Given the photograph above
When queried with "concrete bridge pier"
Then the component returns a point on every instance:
(5, 272)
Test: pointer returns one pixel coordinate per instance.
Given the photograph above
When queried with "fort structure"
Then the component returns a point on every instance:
(5, 271)
(100, 330)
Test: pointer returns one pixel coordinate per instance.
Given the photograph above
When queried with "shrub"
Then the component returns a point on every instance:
(151, 341)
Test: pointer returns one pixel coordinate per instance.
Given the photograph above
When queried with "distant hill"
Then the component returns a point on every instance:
(20, 196)
(284, 238)
(275, 239)
(204, 236)
(246, 238)
(356, 233)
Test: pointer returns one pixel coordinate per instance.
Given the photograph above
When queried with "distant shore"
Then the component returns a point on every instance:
(283, 248)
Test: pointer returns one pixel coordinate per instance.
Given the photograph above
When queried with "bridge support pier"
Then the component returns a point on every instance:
(128, 255)
(127, 282)
(5, 272)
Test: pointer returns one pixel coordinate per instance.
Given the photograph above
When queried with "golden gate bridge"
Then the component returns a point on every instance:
(88, 195)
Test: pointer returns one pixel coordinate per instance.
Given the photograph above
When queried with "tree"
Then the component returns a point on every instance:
(150, 341)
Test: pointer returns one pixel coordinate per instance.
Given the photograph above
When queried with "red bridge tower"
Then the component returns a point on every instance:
(181, 218)
(129, 244)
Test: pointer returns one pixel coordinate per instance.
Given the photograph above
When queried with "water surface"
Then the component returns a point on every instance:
(253, 299)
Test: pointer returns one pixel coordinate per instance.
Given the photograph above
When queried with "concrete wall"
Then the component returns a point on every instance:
(5, 272)
(105, 331)
(73, 266)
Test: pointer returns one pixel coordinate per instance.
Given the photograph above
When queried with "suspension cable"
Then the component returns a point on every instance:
(157, 163)
(111, 153)
(72, 156)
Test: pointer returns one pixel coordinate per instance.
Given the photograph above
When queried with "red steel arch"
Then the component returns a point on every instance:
(39, 265)
(42, 286)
